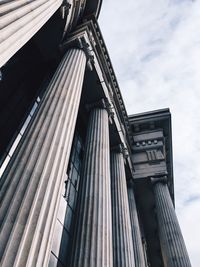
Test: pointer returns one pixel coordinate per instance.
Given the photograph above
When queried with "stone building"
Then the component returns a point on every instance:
(82, 183)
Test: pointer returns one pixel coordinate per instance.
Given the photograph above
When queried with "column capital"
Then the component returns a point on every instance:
(120, 148)
(103, 103)
(155, 180)
(125, 151)
(80, 42)
(85, 46)
(65, 8)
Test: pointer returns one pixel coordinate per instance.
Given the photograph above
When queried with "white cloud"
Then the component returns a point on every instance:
(189, 216)
(155, 49)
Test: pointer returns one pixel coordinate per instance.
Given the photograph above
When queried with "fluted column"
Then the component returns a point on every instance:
(93, 237)
(172, 244)
(136, 234)
(20, 20)
(123, 254)
(31, 186)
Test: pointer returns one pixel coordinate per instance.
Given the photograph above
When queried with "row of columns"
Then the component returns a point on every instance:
(31, 185)
(103, 235)
(97, 242)
(107, 228)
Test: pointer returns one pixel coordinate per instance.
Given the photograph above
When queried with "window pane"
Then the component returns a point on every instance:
(52, 261)
(77, 182)
(64, 246)
(60, 264)
(4, 165)
(62, 210)
(67, 188)
(78, 147)
(73, 147)
(25, 124)
(70, 169)
(77, 161)
(74, 177)
(72, 196)
(33, 108)
(16, 142)
(68, 218)
(57, 238)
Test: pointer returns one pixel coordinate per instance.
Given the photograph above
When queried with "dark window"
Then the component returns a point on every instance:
(68, 218)
(62, 232)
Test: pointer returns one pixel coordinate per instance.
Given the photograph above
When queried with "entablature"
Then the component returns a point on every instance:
(152, 145)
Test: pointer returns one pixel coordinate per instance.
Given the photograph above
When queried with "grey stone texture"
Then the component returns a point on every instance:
(93, 234)
(123, 253)
(172, 244)
(136, 233)
(31, 186)
(20, 20)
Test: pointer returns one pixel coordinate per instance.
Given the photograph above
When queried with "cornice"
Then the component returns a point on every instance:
(110, 77)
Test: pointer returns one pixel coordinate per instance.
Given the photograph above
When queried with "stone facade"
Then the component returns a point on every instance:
(82, 183)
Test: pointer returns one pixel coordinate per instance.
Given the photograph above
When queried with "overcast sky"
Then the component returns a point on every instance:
(155, 50)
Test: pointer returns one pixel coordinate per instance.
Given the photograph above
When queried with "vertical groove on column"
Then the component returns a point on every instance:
(20, 20)
(93, 237)
(137, 240)
(172, 242)
(123, 253)
(31, 186)
(28, 144)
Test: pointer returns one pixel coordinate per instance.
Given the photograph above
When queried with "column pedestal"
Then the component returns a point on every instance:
(31, 185)
(93, 237)
(172, 244)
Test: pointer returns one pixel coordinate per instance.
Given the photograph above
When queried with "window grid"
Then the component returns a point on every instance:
(67, 206)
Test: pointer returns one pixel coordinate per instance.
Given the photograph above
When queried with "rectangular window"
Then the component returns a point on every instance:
(63, 228)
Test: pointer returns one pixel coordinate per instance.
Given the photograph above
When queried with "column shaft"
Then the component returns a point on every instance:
(123, 254)
(19, 21)
(136, 234)
(172, 243)
(32, 183)
(93, 237)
